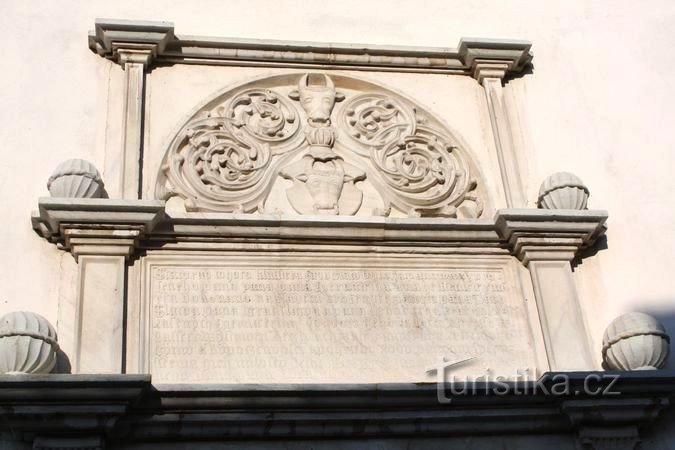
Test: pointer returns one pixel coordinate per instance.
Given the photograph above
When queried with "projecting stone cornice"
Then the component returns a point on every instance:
(530, 234)
(128, 408)
(156, 41)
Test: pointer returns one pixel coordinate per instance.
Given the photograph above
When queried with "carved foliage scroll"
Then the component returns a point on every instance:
(224, 162)
(231, 154)
(419, 170)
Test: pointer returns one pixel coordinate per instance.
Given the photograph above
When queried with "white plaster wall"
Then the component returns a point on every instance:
(598, 103)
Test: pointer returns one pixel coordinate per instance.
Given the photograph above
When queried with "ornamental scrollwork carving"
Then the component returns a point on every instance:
(423, 174)
(376, 120)
(319, 144)
(213, 168)
(264, 115)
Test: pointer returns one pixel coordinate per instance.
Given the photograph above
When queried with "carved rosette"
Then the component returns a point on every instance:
(231, 154)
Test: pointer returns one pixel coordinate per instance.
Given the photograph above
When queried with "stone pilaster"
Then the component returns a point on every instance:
(490, 74)
(546, 241)
(102, 235)
(134, 46)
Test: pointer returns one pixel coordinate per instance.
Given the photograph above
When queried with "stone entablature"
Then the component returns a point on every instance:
(99, 228)
(111, 38)
(89, 411)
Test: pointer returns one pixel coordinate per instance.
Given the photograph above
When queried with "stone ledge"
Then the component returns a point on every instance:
(54, 215)
(110, 36)
(128, 408)
(527, 233)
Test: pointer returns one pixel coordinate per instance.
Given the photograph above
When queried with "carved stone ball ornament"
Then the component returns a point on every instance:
(319, 145)
(76, 178)
(27, 344)
(635, 341)
(563, 190)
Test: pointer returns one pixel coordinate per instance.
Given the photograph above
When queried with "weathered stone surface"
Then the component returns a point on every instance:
(376, 154)
(76, 178)
(563, 190)
(130, 413)
(27, 344)
(318, 319)
(635, 341)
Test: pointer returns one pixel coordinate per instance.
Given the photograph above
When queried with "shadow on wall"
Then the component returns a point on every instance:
(667, 319)
(62, 363)
(601, 244)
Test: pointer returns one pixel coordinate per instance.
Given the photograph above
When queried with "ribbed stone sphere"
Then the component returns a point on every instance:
(563, 190)
(75, 178)
(635, 341)
(27, 344)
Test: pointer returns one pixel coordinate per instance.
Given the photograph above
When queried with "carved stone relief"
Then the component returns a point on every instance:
(333, 145)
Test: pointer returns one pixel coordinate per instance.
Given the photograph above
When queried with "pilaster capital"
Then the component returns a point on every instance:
(494, 58)
(125, 41)
(549, 235)
(135, 55)
(483, 69)
(101, 227)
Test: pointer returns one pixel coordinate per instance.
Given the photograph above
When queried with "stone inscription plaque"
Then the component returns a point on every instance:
(289, 322)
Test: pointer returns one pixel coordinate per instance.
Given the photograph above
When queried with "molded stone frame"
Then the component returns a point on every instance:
(138, 46)
(102, 233)
(105, 235)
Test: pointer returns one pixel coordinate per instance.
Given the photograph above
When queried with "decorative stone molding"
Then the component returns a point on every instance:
(135, 46)
(550, 235)
(530, 234)
(167, 48)
(27, 344)
(546, 241)
(563, 190)
(101, 234)
(490, 74)
(130, 41)
(74, 223)
(228, 156)
(132, 410)
(494, 58)
(635, 341)
(613, 421)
